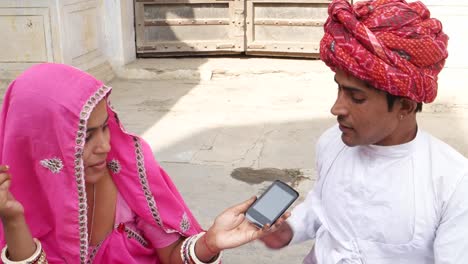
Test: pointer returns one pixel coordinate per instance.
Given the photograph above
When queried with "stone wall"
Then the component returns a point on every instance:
(65, 31)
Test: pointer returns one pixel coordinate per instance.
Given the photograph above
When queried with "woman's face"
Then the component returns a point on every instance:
(97, 144)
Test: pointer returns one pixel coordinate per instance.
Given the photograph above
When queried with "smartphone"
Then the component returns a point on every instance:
(272, 204)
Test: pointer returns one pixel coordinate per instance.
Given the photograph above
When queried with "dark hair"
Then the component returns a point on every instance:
(391, 101)
(392, 98)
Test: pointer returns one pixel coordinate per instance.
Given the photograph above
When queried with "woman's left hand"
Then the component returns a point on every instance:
(231, 228)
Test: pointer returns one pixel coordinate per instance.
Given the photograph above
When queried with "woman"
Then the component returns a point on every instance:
(79, 189)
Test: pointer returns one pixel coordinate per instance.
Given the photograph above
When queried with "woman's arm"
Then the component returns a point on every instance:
(174, 255)
(229, 230)
(19, 240)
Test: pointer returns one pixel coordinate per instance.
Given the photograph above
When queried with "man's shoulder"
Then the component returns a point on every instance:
(448, 166)
(442, 152)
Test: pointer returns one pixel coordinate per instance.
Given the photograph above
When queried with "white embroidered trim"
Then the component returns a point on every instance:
(93, 253)
(79, 169)
(149, 196)
(114, 166)
(55, 165)
(144, 182)
(132, 234)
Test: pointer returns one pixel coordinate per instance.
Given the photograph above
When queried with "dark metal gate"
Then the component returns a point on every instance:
(257, 27)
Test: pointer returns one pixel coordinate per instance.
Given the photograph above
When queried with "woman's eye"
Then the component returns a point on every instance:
(88, 137)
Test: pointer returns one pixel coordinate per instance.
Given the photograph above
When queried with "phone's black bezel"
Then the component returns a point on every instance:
(260, 218)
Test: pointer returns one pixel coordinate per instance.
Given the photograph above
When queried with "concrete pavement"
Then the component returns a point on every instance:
(224, 128)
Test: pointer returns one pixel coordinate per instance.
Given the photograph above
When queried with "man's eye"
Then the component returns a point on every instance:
(358, 101)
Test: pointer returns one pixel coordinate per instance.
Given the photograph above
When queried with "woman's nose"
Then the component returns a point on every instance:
(104, 143)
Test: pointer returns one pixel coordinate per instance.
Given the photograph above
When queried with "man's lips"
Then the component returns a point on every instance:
(344, 127)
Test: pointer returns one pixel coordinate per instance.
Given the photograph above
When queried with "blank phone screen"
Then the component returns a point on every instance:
(271, 204)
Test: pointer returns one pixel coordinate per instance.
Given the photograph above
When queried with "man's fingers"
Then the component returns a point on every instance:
(285, 216)
(260, 232)
(279, 222)
(266, 228)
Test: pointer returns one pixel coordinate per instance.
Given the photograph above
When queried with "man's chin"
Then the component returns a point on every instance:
(347, 140)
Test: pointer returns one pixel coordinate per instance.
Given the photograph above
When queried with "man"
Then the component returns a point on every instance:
(387, 192)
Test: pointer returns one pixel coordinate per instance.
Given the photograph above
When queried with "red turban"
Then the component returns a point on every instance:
(392, 45)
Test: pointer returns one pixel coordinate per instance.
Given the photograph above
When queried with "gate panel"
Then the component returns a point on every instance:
(285, 27)
(175, 27)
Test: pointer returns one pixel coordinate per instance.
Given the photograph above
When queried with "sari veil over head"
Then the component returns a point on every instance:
(42, 135)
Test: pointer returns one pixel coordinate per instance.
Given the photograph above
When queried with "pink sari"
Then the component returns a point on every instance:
(42, 134)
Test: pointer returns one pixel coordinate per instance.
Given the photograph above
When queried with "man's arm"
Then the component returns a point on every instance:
(303, 223)
(300, 226)
(451, 242)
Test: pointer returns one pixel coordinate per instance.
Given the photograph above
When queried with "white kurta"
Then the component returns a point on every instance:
(404, 204)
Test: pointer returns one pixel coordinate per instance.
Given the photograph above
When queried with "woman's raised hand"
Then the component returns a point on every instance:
(231, 228)
(10, 208)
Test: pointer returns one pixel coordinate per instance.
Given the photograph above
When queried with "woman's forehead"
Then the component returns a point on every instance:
(99, 114)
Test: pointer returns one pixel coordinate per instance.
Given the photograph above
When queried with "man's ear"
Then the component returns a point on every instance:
(407, 106)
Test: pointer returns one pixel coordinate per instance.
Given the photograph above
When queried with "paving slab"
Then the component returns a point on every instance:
(225, 139)
(224, 128)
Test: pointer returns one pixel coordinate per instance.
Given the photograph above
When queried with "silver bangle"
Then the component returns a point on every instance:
(35, 256)
(194, 257)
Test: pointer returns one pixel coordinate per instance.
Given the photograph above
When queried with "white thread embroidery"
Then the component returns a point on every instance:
(79, 170)
(144, 182)
(114, 166)
(185, 223)
(134, 235)
(55, 165)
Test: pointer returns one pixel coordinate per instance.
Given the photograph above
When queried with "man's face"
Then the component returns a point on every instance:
(362, 113)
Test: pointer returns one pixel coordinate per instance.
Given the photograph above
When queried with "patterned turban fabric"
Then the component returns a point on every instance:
(393, 45)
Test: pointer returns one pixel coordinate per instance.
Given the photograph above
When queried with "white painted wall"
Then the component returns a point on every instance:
(119, 31)
(63, 31)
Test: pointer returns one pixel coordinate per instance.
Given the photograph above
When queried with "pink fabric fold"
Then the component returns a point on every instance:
(42, 132)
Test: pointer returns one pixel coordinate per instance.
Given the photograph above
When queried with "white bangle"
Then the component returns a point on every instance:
(29, 260)
(184, 248)
(194, 256)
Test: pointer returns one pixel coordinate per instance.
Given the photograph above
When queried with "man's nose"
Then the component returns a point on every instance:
(339, 108)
